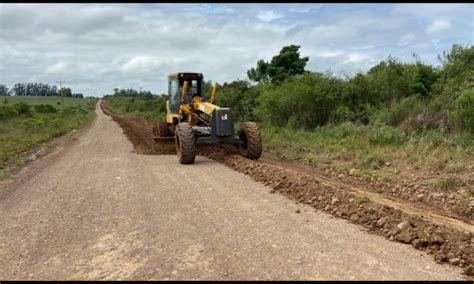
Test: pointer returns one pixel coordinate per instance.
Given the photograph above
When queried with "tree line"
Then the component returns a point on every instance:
(37, 89)
(411, 96)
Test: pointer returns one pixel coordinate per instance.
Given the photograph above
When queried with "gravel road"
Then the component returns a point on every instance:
(94, 209)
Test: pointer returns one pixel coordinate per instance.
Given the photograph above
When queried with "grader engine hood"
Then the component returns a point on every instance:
(222, 123)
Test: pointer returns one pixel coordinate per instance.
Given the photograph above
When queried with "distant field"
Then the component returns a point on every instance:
(45, 100)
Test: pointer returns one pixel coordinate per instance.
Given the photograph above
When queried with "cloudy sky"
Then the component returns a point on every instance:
(97, 47)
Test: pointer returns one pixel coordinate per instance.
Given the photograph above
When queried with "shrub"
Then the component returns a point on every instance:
(341, 114)
(7, 111)
(45, 108)
(22, 108)
(386, 135)
(35, 122)
(447, 183)
(372, 161)
(462, 116)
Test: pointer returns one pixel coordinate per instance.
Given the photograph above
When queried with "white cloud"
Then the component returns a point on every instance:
(356, 58)
(438, 26)
(328, 53)
(268, 16)
(142, 64)
(59, 67)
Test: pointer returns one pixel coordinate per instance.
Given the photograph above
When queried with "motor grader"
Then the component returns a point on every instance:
(191, 120)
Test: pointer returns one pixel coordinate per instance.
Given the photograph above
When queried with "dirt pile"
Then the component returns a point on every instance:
(447, 203)
(454, 245)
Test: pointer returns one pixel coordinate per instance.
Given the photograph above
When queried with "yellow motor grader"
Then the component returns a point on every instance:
(191, 120)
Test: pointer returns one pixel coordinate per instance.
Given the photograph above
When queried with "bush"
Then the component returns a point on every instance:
(409, 114)
(22, 108)
(35, 122)
(45, 108)
(462, 116)
(386, 135)
(341, 114)
(301, 102)
(7, 111)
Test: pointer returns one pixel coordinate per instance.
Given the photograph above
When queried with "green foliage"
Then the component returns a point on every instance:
(372, 161)
(7, 111)
(341, 113)
(300, 102)
(287, 63)
(3, 91)
(23, 125)
(45, 108)
(241, 97)
(22, 108)
(142, 104)
(386, 135)
(447, 183)
(359, 200)
(462, 115)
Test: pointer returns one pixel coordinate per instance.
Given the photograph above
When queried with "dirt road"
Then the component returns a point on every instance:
(95, 210)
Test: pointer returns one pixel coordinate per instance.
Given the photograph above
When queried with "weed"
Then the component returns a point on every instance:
(372, 161)
(50, 145)
(361, 199)
(6, 174)
(447, 183)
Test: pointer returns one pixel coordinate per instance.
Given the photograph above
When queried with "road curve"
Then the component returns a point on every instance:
(95, 210)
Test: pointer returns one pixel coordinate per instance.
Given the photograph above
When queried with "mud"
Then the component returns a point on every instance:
(447, 240)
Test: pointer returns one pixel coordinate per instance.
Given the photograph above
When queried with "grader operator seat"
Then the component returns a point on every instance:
(175, 88)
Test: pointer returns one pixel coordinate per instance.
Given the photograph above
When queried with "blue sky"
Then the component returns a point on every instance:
(97, 47)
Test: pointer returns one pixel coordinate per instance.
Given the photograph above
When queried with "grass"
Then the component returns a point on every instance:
(384, 153)
(447, 183)
(361, 199)
(54, 100)
(21, 131)
(152, 108)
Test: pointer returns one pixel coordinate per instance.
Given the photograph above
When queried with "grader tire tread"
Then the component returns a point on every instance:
(185, 144)
(253, 146)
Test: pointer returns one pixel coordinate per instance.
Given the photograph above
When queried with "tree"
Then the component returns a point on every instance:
(66, 92)
(3, 91)
(241, 97)
(286, 64)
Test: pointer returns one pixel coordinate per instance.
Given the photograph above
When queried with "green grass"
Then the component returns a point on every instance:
(383, 153)
(361, 199)
(152, 108)
(447, 183)
(21, 131)
(46, 100)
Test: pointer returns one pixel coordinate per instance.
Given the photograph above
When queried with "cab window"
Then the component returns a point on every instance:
(173, 90)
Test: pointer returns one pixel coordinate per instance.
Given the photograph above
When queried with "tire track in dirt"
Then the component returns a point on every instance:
(446, 239)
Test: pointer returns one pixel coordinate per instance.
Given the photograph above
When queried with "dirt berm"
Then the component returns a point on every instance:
(447, 239)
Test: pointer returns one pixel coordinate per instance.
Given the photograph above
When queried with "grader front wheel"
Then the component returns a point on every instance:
(251, 140)
(185, 144)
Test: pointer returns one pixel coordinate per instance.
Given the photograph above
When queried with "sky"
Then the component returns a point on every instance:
(95, 48)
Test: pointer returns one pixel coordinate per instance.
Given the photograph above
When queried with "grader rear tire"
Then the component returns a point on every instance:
(251, 140)
(185, 144)
(160, 129)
